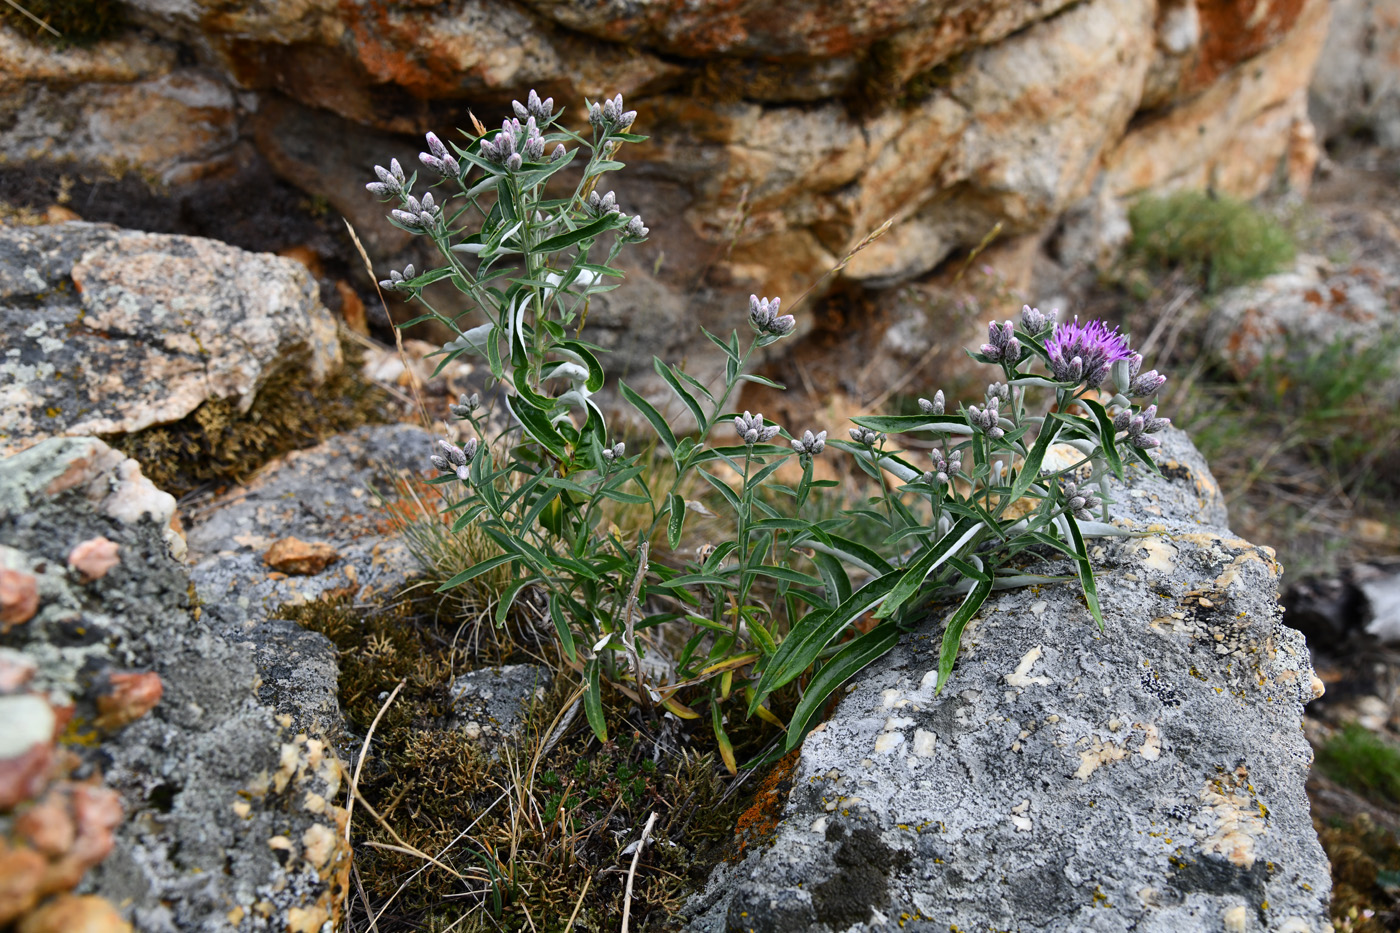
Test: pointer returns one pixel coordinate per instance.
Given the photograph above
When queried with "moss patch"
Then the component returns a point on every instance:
(1365, 875)
(216, 443)
(522, 839)
(1359, 759)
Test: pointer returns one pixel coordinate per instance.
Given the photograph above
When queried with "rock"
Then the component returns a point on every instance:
(19, 598)
(94, 557)
(73, 914)
(27, 747)
(204, 772)
(110, 331)
(1149, 778)
(1237, 134)
(129, 696)
(1357, 85)
(323, 494)
(1293, 315)
(300, 558)
(1382, 601)
(490, 703)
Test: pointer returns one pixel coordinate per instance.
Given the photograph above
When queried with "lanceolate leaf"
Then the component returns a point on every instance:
(948, 546)
(1086, 570)
(593, 700)
(649, 412)
(675, 520)
(952, 634)
(1110, 449)
(852, 658)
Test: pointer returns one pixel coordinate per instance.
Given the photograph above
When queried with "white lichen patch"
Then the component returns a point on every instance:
(1018, 816)
(1234, 820)
(1151, 748)
(924, 742)
(1097, 754)
(888, 742)
(1160, 557)
(1021, 676)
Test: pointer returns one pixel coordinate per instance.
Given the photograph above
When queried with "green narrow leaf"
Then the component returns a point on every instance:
(675, 520)
(952, 634)
(905, 424)
(834, 579)
(726, 748)
(561, 625)
(508, 599)
(585, 355)
(854, 553)
(647, 411)
(1106, 429)
(593, 700)
(723, 488)
(1086, 570)
(851, 659)
(476, 570)
(1030, 470)
(586, 232)
(664, 370)
(538, 426)
(948, 546)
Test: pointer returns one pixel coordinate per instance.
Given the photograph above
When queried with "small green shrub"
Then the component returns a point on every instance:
(1217, 240)
(1359, 759)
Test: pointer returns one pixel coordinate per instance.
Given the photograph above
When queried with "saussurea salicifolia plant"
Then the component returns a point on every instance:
(776, 603)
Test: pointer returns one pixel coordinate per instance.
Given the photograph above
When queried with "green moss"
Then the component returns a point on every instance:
(516, 845)
(1359, 759)
(216, 443)
(1216, 240)
(78, 22)
(1365, 862)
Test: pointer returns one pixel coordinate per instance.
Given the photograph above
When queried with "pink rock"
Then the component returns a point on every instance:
(129, 696)
(93, 558)
(19, 598)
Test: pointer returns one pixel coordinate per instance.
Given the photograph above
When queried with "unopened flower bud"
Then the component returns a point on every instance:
(934, 407)
(810, 444)
(866, 437)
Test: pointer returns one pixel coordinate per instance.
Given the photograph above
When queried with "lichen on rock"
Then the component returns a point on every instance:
(1149, 778)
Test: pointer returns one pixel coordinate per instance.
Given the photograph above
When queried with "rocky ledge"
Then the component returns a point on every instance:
(1150, 777)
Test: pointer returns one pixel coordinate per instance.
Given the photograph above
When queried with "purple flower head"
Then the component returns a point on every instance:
(1085, 352)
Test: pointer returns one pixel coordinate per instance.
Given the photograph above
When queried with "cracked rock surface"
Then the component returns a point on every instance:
(1149, 778)
(109, 331)
(215, 815)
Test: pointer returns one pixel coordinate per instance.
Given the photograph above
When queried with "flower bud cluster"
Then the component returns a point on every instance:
(810, 444)
(466, 404)
(866, 437)
(764, 316)
(635, 231)
(752, 430)
(1002, 345)
(439, 159)
(511, 152)
(392, 181)
(601, 205)
(999, 390)
(1141, 385)
(934, 407)
(454, 459)
(1141, 427)
(1035, 321)
(615, 452)
(987, 418)
(396, 279)
(943, 467)
(1080, 502)
(541, 110)
(610, 115)
(418, 215)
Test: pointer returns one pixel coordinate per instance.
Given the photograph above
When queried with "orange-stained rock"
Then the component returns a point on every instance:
(94, 557)
(21, 871)
(47, 826)
(129, 696)
(96, 813)
(26, 747)
(295, 556)
(352, 308)
(19, 598)
(16, 670)
(69, 913)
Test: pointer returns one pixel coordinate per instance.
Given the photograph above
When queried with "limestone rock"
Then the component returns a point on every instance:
(489, 704)
(298, 557)
(203, 771)
(331, 494)
(110, 331)
(1149, 778)
(1357, 86)
(1292, 315)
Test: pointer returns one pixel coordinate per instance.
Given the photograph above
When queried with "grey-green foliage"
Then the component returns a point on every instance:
(778, 601)
(1215, 239)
